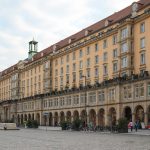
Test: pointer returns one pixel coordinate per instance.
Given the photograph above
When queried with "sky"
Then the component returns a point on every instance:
(47, 22)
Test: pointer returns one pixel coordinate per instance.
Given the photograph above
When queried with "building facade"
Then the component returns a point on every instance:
(99, 75)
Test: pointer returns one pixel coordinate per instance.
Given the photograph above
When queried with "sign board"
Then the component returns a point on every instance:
(143, 125)
(45, 113)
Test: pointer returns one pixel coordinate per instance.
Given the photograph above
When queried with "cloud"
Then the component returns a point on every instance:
(48, 22)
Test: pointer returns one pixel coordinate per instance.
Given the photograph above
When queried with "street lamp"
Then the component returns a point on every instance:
(85, 101)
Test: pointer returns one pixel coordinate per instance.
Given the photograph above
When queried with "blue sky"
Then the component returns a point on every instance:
(47, 21)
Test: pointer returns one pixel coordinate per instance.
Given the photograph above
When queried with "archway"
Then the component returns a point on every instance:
(22, 119)
(101, 118)
(38, 118)
(128, 113)
(25, 117)
(56, 119)
(68, 116)
(18, 119)
(50, 119)
(139, 113)
(92, 117)
(83, 115)
(75, 115)
(62, 116)
(112, 116)
(29, 116)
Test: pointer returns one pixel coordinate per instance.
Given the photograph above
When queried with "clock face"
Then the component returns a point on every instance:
(134, 7)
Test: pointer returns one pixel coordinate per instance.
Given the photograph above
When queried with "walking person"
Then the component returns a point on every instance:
(131, 125)
(136, 126)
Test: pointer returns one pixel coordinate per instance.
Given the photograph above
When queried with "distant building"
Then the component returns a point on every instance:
(99, 74)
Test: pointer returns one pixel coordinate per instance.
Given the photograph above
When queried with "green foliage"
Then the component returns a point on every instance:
(64, 125)
(76, 124)
(122, 125)
(32, 124)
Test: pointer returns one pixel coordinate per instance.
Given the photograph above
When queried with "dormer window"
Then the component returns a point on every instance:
(134, 7)
(87, 32)
(107, 22)
(70, 40)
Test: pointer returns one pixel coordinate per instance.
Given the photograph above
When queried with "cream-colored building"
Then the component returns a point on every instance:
(100, 73)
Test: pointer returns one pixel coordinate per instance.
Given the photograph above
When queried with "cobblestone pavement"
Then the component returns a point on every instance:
(28, 139)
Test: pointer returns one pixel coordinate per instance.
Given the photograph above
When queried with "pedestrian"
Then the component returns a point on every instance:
(136, 126)
(131, 125)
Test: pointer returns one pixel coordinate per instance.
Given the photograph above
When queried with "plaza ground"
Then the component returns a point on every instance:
(35, 139)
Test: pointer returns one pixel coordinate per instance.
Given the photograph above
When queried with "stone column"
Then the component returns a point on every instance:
(96, 119)
(133, 117)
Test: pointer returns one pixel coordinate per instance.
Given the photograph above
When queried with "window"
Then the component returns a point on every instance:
(88, 73)
(114, 39)
(115, 69)
(76, 99)
(142, 59)
(81, 75)
(105, 56)
(124, 62)
(82, 98)
(115, 53)
(96, 72)
(61, 71)
(81, 64)
(105, 70)
(141, 90)
(61, 60)
(67, 69)
(104, 44)
(96, 47)
(96, 59)
(67, 58)
(92, 97)
(112, 94)
(124, 33)
(68, 100)
(101, 95)
(88, 62)
(61, 81)
(67, 79)
(142, 42)
(74, 67)
(56, 82)
(73, 55)
(88, 50)
(124, 47)
(142, 27)
(80, 53)
(74, 77)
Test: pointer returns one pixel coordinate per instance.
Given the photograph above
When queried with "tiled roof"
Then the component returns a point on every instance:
(114, 18)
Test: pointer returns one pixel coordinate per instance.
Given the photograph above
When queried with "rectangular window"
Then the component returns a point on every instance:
(88, 50)
(67, 79)
(88, 62)
(101, 95)
(105, 70)
(56, 72)
(96, 47)
(67, 69)
(105, 56)
(124, 62)
(76, 99)
(96, 59)
(104, 44)
(81, 75)
(74, 67)
(142, 43)
(124, 47)
(96, 72)
(61, 81)
(124, 33)
(81, 64)
(115, 68)
(80, 53)
(62, 60)
(115, 53)
(74, 77)
(92, 97)
(88, 73)
(142, 58)
(67, 58)
(73, 55)
(114, 39)
(142, 27)
(61, 71)
(148, 88)
(112, 94)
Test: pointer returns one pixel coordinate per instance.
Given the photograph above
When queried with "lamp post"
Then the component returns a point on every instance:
(85, 101)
